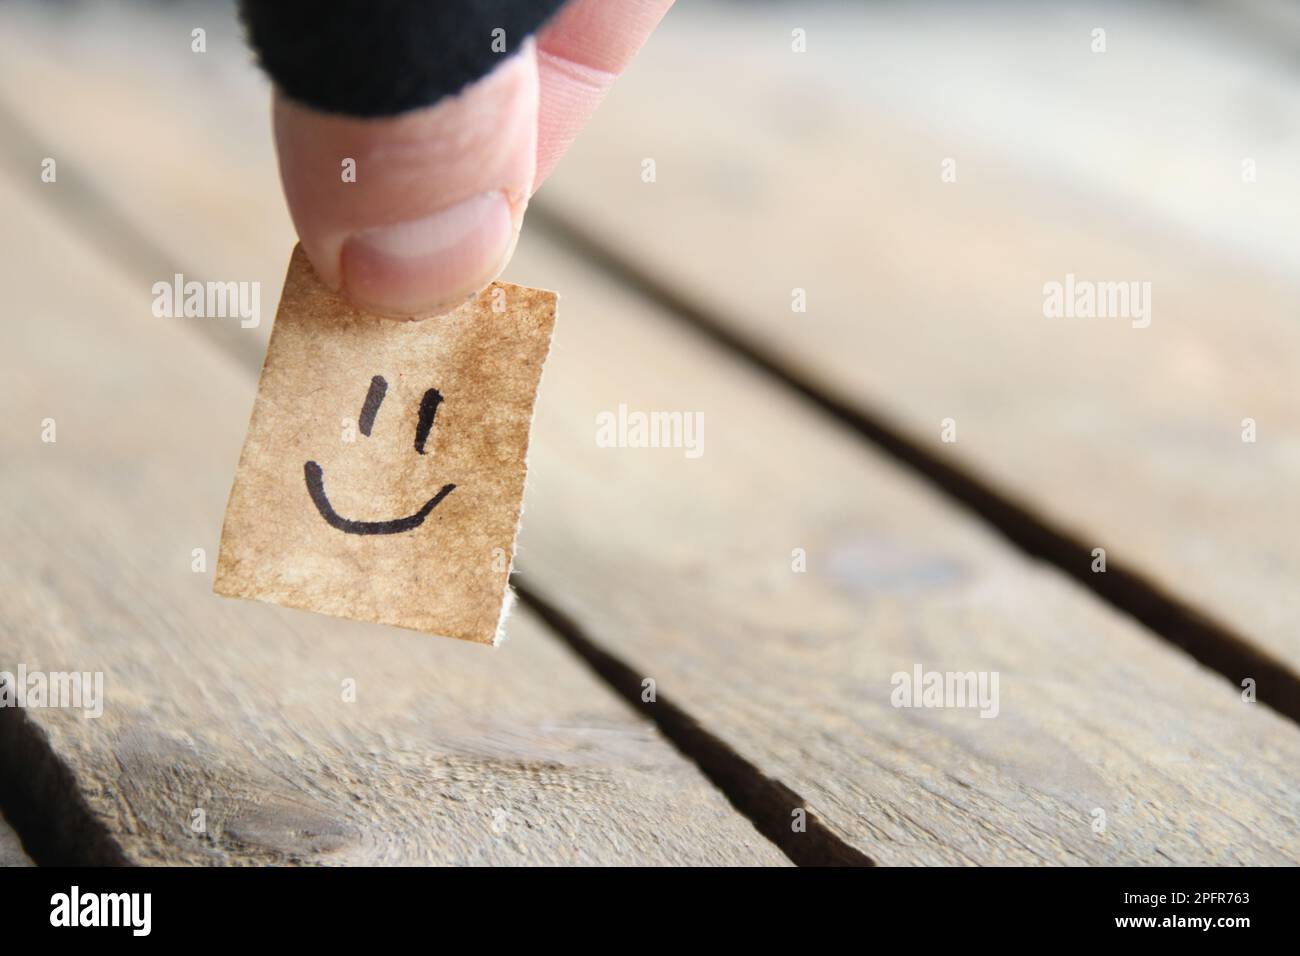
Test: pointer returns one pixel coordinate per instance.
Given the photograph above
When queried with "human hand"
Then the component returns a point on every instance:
(441, 172)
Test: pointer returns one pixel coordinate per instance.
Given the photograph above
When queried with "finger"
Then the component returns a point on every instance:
(580, 54)
(438, 197)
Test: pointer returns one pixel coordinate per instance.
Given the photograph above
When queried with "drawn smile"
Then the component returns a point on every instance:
(365, 422)
(316, 488)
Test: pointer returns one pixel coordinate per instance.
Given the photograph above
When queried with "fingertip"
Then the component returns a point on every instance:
(430, 265)
(431, 210)
(581, 52)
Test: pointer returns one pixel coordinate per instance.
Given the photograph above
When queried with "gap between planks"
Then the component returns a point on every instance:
(745, 787)
(1126, 440)
(41, 799)
(237, 744)
(37, 789)
(12, 853)
(1209, 641)
(598, 627)
(765, 802)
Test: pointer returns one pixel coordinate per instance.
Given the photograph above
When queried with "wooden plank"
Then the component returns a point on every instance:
(1115, 435)
(683, 567)
(237, 716)
(11, 847)
(102, 161)
(925, 298)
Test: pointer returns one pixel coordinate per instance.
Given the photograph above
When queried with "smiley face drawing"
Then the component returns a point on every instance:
(315, 476)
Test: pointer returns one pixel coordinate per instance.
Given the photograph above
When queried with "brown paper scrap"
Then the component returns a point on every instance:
(383, 471)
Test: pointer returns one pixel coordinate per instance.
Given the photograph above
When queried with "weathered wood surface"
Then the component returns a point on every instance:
(822, 171)
(449, 753)
(11, 847)
(215, 146)
(683, 567)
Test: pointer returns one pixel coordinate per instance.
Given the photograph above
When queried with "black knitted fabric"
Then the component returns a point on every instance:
(383, 57)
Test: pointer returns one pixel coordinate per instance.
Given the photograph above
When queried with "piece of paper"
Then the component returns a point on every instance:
(383, 471)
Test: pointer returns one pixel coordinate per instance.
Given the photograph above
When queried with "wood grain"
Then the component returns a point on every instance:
(683, 568)
(822, 172)
(11, 847)
(235, 714)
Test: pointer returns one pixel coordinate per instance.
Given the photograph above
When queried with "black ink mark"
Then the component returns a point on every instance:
(374, 398)
(316, 488)
(316, 479)
(428, 409)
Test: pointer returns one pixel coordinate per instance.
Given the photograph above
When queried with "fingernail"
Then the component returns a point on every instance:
(429, 265)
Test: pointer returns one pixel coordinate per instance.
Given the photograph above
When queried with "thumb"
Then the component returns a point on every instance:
(429, 208)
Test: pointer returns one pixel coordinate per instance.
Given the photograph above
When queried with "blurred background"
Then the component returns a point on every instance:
(865, 199)
(840, 261)
(1158, 126)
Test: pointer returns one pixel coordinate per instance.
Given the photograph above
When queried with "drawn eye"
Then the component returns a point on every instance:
(315, 475)
(374, 398)
(428, 409)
